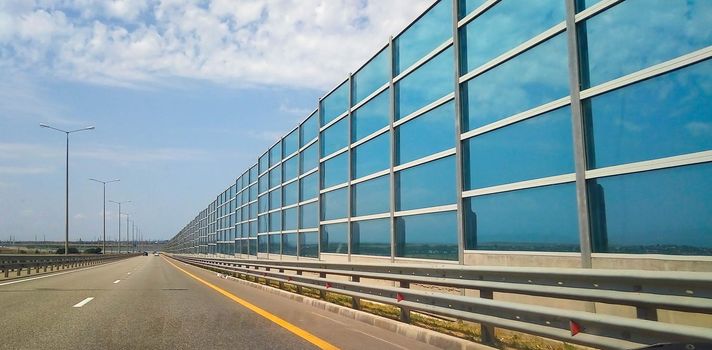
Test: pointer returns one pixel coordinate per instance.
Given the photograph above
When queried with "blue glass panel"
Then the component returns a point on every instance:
(309, 244)
(275, 221)
(310, 158)
(540, 219)
(334, 204)
(665, 116)
(245, 229)
(372, 156)
(253, 246)
(262, 223)
(275, 177)
(428, 185)
(309, 129)
(423, 36)
(428, 83)
(263, 203)
(335, 137)
(308, 216)
(264, 183)
(371, 197)
(427, 236)
(275, 199)
(253, 174)
(253, 192)
(253, 210)
(634, 35)
(335, 104)
(534, 148)
(372, 116)
(253, 228)
(436, 126)
(467, 6)
(264, 163)
(275, 154)
(584, 4)
(505, 90)
(334, 238)
(291, 142)
(291, 168)
(291, 193)
(657, 212)
(336, 170)
(309, 186)
(289, 244)
(291, 219)
(275, 244)
(484, 38)
(371, 237)
(372, 76)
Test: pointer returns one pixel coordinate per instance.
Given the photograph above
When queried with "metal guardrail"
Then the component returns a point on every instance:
(19, 263)
(647, 291)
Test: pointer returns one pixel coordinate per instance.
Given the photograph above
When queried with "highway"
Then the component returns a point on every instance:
(152, 302)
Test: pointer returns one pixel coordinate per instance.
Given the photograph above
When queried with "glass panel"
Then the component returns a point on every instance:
(423, 36)
(428, 83)
(522, 23)
(253, 247)
(372, 156)
(371, 237)
(275, 221)
(262, 223)
(336, 170)
(534, 148)
(372, 116)
(263, 202)
(253, 228)
(275, 154)
(334, 238)
(310, 158)
(657, 212)
(427, 236)
(662, 117)
(291, 219)
(539, 219)
(372, 76)
(275, 244)
(335, 104)
(253, 210)
(467, 6)
(371, 197)
(428, 185)
(291, 168)
(291, 142)
(264, 163)
(309, 186)
(253, 174)
(308, 217)
(309, 129)
(506, 90)
(289, 244)
(335, 137)
(264, 183)
(309, 244)
(291, 193)
(436, 126)
(334, 204)
(275, 177)
(275, 199)
(584, 4)
(634, 35)
(253, 192)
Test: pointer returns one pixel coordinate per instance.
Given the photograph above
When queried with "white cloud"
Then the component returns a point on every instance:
(305, 43)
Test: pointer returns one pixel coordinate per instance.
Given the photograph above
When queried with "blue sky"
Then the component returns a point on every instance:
(184, 95)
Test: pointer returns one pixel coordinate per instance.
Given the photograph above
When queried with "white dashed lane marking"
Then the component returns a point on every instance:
(83, 302)
(117, 281)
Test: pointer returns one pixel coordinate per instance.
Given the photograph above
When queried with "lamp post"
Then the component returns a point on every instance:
(66, 198)
(119, 238)
(103, 246)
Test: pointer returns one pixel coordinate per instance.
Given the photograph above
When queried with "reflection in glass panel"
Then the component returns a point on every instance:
(467, 6)
(427, 236)
(533, 78)
(291, 219)
(289, 244)
(308, 217)
(335, 104)
(371, 197)
(291, 142)
(436, 126)
(253, 192)
(309, 244)
(533, 219)
(372, 156)
(634, 35)
(423, 36)
(263, 243)
(334, 238)
(275, 244)
(309, 158)
(656, 212)
(372, 76)
(275, 221)
(665, 116)
(291, 193)
(264, 183)
(584, 4)
(538, 147)
(275, 154)
(275, 177)
(335, 137)
(253, 174)
(253, 210)
(336, 170)
(372, 116)
(428, 185)
(291, 168)
(275, 199)
(263, 202)
(371, 237)
(253, 246)
(334, 204)
(264, 163)
(522, 23)
(253, 228)
(309, 129)
(309, 186)
(262, 223)
(428, 83)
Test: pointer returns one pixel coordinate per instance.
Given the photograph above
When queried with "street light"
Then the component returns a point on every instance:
(103, 248)
(66, 214)
(119, 203)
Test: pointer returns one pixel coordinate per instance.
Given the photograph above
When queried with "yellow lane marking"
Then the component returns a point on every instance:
(320, 343)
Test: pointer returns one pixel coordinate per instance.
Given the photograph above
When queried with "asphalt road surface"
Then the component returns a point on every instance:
(148, 302)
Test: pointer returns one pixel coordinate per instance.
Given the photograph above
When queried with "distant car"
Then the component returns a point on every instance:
(155, 254)
(145, 253)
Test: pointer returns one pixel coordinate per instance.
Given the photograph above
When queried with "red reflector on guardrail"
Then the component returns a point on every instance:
(575, 328)
(399, 297)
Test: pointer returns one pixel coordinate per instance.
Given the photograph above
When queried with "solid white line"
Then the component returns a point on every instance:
(117, 281)
(58, 273)
(383, 340)
(83, 302)
(329, 318)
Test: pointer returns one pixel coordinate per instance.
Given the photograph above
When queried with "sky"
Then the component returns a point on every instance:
(184, 95)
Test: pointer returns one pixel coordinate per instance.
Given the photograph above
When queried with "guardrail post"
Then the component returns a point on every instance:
(486, 331)
(322, 293)
(7, 273)
(646, 313)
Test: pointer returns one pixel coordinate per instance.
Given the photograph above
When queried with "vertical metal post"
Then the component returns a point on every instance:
(320, 178)
(458, 132)
(127, 231)
(118, 250)
(103, 245)
(349, 205)
(392, 151)
(66, 202)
